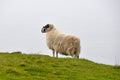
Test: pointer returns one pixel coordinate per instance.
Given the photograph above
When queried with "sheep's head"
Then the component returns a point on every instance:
(47, 28)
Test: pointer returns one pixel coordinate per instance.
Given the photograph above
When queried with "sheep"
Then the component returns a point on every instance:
(61, 43)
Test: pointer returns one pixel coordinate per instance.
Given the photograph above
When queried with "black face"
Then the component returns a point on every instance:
(45, 28)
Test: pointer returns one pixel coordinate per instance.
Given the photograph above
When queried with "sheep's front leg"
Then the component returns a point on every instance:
(53, 53)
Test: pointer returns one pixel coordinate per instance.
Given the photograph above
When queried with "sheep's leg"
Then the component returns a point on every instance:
(77, 56)
(57, 54)
(72, 56)
(53, 53)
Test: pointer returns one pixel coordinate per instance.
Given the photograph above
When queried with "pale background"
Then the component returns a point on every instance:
(95, 22)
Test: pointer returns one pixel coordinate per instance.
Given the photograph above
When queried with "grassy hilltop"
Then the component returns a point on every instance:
(41, 67)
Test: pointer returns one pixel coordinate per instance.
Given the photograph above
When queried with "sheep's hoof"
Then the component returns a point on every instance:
(78, 57)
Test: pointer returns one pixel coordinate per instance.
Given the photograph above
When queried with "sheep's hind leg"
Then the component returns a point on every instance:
(57, 54)
(77, 57)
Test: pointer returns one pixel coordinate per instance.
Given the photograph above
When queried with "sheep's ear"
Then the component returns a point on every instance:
(51, 25)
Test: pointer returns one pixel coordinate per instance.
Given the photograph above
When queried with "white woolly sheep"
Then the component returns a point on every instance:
(61, 43)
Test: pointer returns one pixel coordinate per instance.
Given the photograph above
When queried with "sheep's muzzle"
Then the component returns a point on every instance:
(43, 30)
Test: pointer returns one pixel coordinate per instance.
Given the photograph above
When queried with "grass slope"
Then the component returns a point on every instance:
(39, 67)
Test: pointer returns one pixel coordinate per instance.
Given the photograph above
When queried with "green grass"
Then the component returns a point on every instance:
(41, 67)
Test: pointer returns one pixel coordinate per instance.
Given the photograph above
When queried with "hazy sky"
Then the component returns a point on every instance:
(95, 22)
